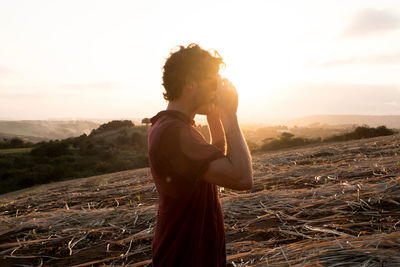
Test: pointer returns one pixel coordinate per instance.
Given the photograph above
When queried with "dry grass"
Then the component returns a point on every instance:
(329, 205)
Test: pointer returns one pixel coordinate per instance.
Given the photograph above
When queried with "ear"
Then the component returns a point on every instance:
(190, 85)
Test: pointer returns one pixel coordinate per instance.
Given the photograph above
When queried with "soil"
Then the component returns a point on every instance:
(320, 205)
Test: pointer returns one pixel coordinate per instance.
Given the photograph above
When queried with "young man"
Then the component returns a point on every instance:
(186, 169)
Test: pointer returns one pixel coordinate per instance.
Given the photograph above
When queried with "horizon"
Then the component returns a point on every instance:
(106, 63)
(322, 119)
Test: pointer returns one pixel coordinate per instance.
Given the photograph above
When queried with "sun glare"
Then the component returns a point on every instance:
(262, 76)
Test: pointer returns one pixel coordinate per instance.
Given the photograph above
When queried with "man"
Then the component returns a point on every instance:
(186, 169)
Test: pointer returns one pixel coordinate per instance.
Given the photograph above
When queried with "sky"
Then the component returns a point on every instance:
(287, 59)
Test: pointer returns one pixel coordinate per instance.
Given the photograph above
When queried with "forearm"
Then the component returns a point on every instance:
(237, 150)
(217, 133)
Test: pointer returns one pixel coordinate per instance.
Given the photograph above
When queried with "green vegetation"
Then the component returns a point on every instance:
(362, 132)
(146, 121)
(287, 140)
(14, 143)
(15, 150)
(114, 146)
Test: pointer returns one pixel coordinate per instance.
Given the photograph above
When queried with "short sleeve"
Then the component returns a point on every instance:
(186, 152)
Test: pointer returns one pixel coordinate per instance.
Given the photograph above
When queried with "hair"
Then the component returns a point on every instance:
(191, 62)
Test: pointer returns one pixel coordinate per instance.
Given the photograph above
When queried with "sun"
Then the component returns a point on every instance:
(259, 76)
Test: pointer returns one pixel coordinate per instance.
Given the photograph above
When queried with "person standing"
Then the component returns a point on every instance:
(186, 169)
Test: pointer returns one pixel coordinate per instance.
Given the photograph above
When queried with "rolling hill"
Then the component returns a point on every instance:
(47, 129)
(390, 121)
(320, 205)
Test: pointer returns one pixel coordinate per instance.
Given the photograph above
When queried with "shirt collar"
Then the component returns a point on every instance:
(174, 113)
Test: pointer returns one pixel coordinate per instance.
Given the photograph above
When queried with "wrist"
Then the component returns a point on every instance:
(228, 120)
(228, 116)
(213, 117)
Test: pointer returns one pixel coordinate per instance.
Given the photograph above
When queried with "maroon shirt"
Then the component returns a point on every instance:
(190, 225)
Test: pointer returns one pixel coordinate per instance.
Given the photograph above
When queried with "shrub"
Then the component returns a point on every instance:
(14, 142)
(51, 149)
(362, 132)
(112, 125)
(286, 140)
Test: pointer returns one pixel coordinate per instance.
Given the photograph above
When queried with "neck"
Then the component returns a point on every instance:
(180, 106)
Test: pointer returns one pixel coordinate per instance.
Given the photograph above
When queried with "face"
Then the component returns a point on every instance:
(206, 89)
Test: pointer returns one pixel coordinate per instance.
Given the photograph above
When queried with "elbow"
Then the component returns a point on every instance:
(246, 183)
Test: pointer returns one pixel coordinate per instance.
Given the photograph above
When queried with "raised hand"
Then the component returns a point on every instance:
(226, 98)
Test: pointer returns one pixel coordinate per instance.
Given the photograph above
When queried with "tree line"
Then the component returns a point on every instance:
(116, 146)
(112, 147)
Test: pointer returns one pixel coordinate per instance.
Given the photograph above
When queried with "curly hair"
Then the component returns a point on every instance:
(191, 62)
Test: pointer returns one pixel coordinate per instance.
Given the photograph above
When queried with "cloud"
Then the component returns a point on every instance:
(372, 21)
(372, 60)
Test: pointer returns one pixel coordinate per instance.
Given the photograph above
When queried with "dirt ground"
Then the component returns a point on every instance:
(335, 204)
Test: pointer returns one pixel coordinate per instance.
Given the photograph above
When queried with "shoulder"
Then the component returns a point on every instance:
(165, 137)
(165, 126)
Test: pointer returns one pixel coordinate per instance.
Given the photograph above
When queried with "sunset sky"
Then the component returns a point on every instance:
(103, 59)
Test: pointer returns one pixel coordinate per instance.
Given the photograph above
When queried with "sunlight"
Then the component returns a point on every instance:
(262, 75)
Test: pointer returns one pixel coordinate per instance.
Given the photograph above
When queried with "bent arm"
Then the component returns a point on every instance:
(235, 170)
(217, 132)
(238, 152)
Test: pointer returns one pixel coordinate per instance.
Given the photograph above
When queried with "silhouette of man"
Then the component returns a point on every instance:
(186, 169)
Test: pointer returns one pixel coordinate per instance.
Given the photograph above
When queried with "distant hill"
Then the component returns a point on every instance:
(47, 129)
(25, 138)
(390, 121)
(42, 130)
(114, 146)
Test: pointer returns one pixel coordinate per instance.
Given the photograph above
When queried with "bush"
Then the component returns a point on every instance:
(51, 149)
(286, 140)
(75, 157)
(253, 147)
(112, 125)
(362, 132)
(14, 142)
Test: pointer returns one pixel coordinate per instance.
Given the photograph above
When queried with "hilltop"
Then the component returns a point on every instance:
(47, 129)
(319, 205)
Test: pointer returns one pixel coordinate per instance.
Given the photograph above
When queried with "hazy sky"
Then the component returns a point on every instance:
(103, 59)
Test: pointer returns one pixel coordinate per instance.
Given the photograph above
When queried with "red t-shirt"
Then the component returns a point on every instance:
(190, 225)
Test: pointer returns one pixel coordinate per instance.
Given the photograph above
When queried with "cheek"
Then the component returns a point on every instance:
(209, 94)
(206, 93)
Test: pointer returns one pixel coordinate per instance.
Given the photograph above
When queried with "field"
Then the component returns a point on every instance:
(334, 204)
(15, 150)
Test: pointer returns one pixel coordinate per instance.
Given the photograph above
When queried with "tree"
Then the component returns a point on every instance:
(146, 121)
(16, 142)
(112, 125)
(286, 136)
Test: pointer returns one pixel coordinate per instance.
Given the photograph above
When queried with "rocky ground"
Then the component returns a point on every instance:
(335, 204)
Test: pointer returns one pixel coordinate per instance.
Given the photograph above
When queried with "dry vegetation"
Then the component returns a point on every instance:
(335, 204)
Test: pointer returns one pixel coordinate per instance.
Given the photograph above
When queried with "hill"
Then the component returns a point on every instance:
(47, 129)
(390, 121)
(114, 146)
(320, 205)
(25, 138)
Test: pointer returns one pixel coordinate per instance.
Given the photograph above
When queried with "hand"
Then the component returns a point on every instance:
(209, 109)
(226, 97)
